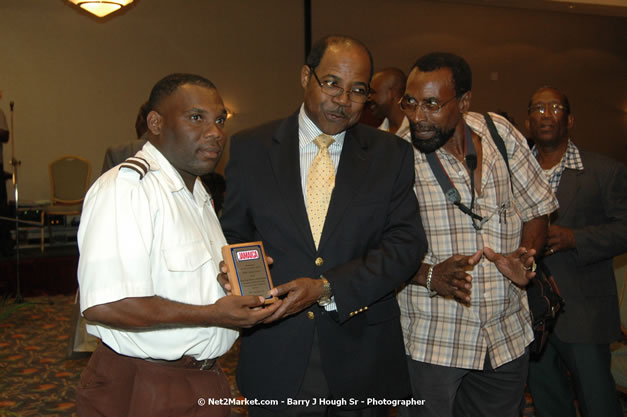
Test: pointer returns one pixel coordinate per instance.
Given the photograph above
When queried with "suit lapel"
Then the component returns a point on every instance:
(284, 154)
(567, 191)
(353, 167)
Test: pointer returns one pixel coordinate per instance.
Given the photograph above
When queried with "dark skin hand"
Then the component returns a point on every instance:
(299, 294)
(450, 278)
(296, 295)
(223, 278)
(155, 312)
(559, 238)
(515, 266)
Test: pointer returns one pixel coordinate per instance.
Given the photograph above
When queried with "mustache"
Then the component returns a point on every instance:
(210, 149)
(430, 145)
(422, 127)
(337, 112)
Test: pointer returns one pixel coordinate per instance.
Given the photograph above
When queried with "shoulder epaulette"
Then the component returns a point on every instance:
(139, 165)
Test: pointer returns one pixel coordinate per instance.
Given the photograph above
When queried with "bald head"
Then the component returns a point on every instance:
(386, 89)
(393, 79)
(319, 48)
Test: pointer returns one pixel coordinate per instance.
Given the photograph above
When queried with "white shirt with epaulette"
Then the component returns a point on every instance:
(143, 233)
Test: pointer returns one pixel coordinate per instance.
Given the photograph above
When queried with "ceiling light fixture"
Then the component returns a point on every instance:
(101, 8)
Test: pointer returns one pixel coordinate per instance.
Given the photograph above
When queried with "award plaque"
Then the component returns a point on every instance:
(248, 270)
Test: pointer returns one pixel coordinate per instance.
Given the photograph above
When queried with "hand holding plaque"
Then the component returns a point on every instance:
(248, 270)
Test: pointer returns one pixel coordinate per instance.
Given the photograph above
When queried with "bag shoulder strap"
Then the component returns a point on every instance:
(451, 193)
(498, 141)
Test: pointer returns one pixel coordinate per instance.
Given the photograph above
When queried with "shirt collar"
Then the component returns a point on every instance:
(571, 158)
(403, 130)
(308, 131)
(173, 180)
(385, 125)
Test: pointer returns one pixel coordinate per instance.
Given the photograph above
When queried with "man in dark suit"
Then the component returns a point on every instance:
(340, 345)
(116, 154)
(586, 232)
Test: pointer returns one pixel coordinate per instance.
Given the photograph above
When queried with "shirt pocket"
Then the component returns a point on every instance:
(187, 256)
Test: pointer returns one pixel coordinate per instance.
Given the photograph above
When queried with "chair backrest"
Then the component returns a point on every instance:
(69, 179)
(620, 272)
(623, 306)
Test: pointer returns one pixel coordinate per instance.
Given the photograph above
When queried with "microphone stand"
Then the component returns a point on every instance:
(15, 163)
(19, 299)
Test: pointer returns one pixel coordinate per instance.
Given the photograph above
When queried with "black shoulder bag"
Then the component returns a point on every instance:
(545, 301)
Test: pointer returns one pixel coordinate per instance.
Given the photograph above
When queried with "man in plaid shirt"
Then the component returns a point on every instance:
(465, 315)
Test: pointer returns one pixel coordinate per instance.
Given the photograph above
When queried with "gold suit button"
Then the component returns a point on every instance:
(311, 315)
(319, 261)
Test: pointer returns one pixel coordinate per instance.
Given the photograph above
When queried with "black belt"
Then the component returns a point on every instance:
(186, 362)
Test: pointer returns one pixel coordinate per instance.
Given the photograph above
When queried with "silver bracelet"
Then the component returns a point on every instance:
(428, 283)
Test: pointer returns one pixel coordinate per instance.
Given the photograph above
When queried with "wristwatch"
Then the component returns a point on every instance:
(325, 298)
(428, 283)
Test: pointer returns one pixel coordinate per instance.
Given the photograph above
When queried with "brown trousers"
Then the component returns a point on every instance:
(114, 385)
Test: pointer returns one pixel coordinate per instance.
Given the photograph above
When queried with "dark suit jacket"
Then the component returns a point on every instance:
(117, 154)
(593, 202)
(371, 243)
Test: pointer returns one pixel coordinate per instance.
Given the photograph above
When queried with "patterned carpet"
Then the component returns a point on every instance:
(37, 378)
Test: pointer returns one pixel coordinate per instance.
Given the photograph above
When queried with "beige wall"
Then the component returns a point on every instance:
(77, 83)
(586, 56)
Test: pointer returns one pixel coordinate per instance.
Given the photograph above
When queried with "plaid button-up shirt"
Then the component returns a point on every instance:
(571, 159)
(442, 331)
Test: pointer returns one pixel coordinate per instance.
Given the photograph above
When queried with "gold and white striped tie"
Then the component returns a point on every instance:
(320, 183)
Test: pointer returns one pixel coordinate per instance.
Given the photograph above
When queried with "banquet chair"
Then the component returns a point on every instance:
(619, 349)
(69, 181)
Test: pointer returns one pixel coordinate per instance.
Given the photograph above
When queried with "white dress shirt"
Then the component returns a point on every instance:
(150, 236)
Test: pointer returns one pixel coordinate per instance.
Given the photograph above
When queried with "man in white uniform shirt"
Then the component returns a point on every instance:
(149, 245)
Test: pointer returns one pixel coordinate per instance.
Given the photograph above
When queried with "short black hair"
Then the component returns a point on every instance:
(168, 84)
(320, 47)
(565, 100)
(462, 75)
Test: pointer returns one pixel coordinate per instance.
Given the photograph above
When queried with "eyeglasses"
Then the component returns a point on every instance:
(555, 108)
(410, 105)
(355, 94)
